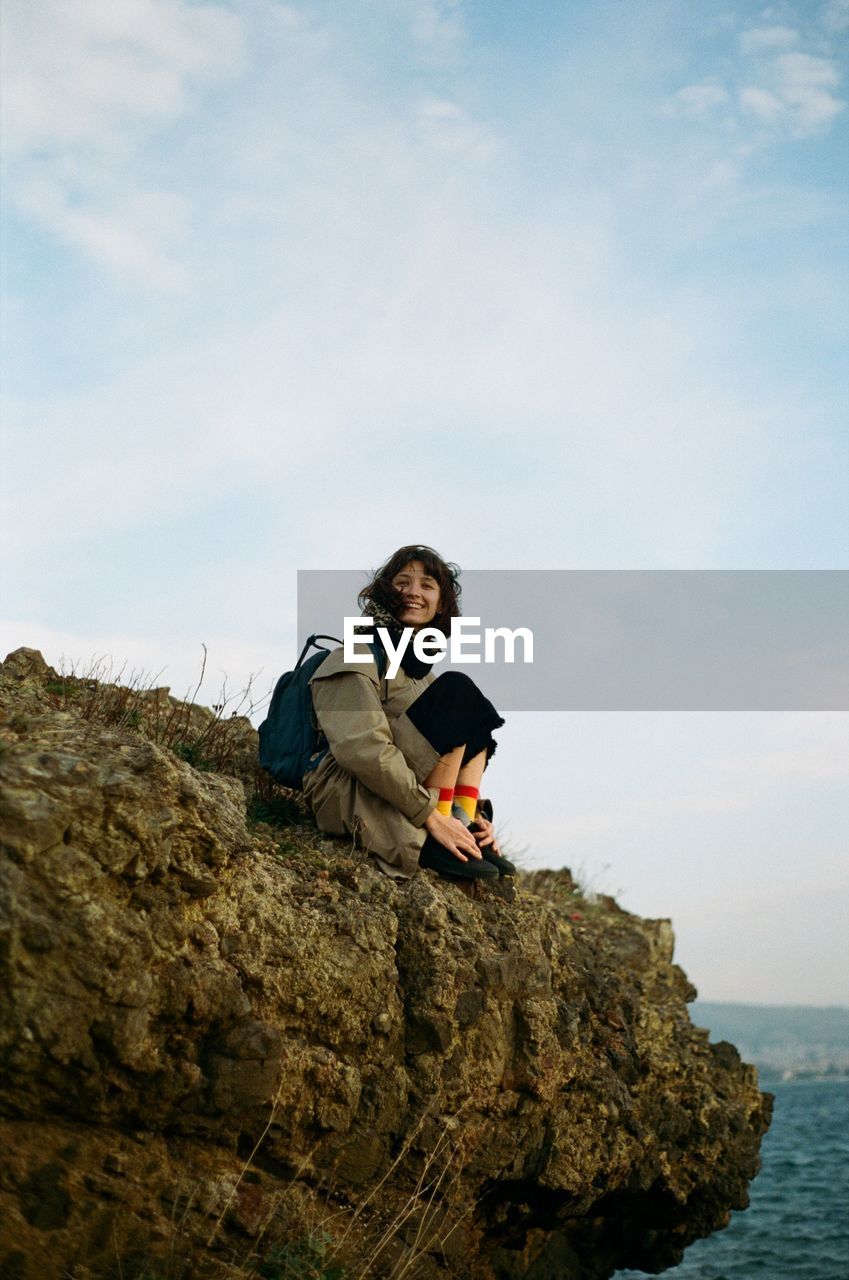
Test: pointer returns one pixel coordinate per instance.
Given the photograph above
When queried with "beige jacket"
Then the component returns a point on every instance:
(370, 781)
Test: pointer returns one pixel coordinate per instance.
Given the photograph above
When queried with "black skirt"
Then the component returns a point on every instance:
(452, 712)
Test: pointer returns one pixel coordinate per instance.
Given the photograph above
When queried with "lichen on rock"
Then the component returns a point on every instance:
(238, 1046)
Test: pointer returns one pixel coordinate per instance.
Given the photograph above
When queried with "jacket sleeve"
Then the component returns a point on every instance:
(351, 716)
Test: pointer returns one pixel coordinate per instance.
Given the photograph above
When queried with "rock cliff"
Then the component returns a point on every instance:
(233, 1048)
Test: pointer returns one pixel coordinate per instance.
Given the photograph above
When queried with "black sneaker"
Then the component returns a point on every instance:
(436, 857)
(503, 865)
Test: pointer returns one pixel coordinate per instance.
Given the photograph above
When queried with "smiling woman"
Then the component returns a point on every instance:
(419, 593)
(406, 751)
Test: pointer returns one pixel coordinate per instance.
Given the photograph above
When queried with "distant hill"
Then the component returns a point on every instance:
(783, 1041)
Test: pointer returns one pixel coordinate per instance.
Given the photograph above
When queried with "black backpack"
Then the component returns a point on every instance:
(288, 737)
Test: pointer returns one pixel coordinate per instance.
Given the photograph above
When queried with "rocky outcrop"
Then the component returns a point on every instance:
(238, 1050)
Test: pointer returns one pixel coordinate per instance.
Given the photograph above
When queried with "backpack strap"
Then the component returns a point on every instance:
(379, 654)
(312, 642)
(380, 660)
(335, 663)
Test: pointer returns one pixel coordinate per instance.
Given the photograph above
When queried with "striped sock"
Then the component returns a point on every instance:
(446, 796)
(467, 799)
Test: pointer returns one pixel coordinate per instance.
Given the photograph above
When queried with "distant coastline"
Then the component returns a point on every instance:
(785, 1042)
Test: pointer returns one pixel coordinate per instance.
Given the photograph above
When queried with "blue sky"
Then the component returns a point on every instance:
(547, 286)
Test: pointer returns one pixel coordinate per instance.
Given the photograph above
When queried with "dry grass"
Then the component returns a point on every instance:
(316, 1233)
(208, 739)
(363, 1241)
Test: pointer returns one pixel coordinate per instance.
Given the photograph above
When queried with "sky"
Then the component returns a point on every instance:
(544, 286)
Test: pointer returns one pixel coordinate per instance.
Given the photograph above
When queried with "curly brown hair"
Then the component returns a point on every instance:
(381, 591)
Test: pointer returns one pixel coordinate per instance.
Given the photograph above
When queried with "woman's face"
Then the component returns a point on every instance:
(420, 594)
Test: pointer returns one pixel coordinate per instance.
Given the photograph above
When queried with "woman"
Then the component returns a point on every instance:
(407, 754)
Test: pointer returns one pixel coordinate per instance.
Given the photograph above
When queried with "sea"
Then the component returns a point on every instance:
(797, 1224)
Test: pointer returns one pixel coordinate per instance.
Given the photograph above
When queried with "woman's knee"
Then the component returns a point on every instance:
(454, 690)
(452, 712)
(455, 683)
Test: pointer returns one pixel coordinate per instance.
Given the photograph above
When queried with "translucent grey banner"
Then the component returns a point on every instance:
(639, 640)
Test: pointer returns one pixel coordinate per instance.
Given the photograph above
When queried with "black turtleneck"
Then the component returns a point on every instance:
(414, 667)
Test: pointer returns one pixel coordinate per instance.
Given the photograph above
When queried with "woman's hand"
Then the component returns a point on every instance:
(452, 835)
(485, 835)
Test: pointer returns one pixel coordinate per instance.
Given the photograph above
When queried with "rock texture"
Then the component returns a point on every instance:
(231, 1050)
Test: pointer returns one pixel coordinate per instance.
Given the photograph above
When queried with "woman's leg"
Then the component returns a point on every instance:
(457, 720)
(470, 774)
(445, 772)
(434, 854)
(465, 807)
(467, 788)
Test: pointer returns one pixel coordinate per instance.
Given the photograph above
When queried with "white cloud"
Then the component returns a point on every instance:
(761, 103)
(802, 95)
(455, 319)
(360, 270)
(447, 128)
(699, 100)
(84, 85)
(79, 72)
(438, 27)
(765, 39)
(806, 84)
(134, 234)
(781, 89)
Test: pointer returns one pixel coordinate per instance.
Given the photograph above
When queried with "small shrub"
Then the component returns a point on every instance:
(209, 740)
(99, 696)
(189, 752)
(282, 810)
(307, 1259)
